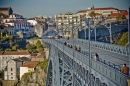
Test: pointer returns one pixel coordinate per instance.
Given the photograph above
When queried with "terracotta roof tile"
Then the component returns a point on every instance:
(82, 11)
(106, 8)
(116, 14)
(23, 52)
(30, 64)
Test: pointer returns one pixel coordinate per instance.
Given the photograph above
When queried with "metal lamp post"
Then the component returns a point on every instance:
(89, 23)
(109, 28)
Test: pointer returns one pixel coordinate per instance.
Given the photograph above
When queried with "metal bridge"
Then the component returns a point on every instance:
(68, 67)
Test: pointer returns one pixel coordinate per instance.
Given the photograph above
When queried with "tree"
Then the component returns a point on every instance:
(30, 47)
(40, 49)
(38, 44)
(6, 32)
(119, 17)
(14, 48)
(92, 14)
(1, 48)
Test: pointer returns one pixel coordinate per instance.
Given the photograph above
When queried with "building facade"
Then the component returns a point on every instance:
(5, 56)
(27, 67)
(66, 22)
(12, 71)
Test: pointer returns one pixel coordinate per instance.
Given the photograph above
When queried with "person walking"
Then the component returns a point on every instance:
(125, 69)
(96, 57)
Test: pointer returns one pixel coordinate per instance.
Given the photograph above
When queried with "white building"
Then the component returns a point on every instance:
(64, 22)
(13, 17)
(27, 67)
(12, 71)
(24, 27)
(32, 21)
(5, 56)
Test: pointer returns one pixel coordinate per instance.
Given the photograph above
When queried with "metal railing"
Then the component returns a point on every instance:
(105, 69)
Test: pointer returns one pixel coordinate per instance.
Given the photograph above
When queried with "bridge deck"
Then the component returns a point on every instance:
(107, 56)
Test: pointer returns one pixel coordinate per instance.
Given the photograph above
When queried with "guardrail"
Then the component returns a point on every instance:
(101, 67)
(106, 46)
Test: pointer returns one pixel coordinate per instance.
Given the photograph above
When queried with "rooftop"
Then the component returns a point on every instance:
(22, 52)
(30, 64)
(4, 8)
(106, 8)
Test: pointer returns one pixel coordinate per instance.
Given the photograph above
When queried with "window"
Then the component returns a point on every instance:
(11, 73)
(11, 77)
(11, 69)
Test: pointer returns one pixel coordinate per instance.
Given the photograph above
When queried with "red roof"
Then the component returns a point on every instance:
(116, 14)
(124, 12)
(82, 11)
(107, 8)
(30, 64)
(22, 52)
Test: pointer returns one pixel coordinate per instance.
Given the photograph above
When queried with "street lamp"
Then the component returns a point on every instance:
(109, 28)
(89, 23)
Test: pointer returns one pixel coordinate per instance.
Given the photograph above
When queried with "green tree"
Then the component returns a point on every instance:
(14, 48)
(92, 14)
(123, 40)
(1, 48)
(5, 32)
(119, 17)
(8, 49)
(38, 44)
(30, 47)
(40, 49)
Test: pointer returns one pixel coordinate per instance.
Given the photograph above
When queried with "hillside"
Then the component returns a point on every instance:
(36, 78)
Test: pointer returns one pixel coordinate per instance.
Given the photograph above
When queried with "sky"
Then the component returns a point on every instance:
(32, 8)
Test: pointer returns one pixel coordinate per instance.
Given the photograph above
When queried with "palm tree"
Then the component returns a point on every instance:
(92, 14)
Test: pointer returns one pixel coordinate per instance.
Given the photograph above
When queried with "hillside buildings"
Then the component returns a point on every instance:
(5, 56)
(12, 71)
(106, 15)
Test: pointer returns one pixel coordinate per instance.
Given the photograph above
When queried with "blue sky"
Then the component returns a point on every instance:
(32, 8)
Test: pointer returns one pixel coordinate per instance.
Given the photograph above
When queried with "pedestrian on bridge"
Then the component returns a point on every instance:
(78, 48)
(75, 48)
(65, 43)
(125, 69)
(96, 57)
